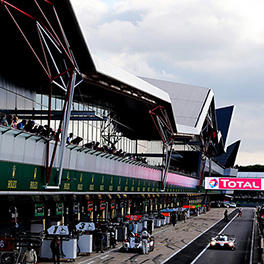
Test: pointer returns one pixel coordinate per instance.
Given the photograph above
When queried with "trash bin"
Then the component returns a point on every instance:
(121, 233)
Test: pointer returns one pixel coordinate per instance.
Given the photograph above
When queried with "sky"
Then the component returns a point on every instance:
(217, 44)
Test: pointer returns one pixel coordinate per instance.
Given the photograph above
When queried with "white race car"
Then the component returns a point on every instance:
(134, 243)
(222, 242)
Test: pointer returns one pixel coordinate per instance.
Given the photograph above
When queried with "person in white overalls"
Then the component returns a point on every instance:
(145, 236)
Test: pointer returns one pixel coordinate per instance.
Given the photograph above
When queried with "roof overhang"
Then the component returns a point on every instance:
(105, 85)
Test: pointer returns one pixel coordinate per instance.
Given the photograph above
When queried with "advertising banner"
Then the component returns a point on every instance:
(58, 230)
(133, 217)
(85, 226)
(112, 204)
(90, 206)
(223, 183)
(102, 205)
(59, 208)
(39, 209)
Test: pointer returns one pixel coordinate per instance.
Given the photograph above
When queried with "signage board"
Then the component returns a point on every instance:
(58, 230)
(102, 205)
(76, 208)
(85, 226)
(166, 214)
(112, 204)
(90, 206)
(133, 217)
(39, 209)
(59, 208)
(224, 183)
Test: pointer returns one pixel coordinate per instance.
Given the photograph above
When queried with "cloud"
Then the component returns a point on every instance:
(90, 12)
(247, 125)
(210, 43)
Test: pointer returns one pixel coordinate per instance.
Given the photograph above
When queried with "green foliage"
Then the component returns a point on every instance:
(252, 168)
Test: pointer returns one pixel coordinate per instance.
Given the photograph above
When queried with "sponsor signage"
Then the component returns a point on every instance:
(112, 204)
(59, 208)
(133, 217)
(58, 230)
(192, 206)
(85, 226)
(166, 214)
(39, 209)
(102, 205)
(7, 244)
(90, 206)
(222, 183)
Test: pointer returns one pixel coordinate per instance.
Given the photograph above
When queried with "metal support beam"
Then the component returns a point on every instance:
(66, 126)
(162, 123)
(56, 60)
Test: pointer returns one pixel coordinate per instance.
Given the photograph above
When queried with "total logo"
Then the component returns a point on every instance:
(234, 183)
(213, 183)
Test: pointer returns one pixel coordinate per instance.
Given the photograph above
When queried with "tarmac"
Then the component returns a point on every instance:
(168, 240)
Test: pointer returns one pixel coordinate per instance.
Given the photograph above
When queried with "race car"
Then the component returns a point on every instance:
(134, 243)
(222, 242)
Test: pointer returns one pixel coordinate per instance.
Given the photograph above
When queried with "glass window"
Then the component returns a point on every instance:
(75, 106)
(85, 132)
(90, 131)
(53, 103)
(45, 102)
(38, 102)
(80, 128)
(75, 128)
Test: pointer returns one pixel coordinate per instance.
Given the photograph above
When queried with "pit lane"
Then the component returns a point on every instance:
(188, 254)
(241, 228)
(168, 240)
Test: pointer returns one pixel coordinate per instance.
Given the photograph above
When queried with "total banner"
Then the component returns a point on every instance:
(223, 183)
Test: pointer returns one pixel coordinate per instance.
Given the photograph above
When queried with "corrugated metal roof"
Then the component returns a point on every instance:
(190, 103)
(114, 72)
(128, 78)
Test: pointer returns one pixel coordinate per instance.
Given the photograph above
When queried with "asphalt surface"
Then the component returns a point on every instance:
(190, 252)
(168, 241)
(241, 228)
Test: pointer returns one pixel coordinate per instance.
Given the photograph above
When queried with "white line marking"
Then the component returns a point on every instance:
(88, 261)
(190, 242)
(209, 244)
(104, 257)
(252, 239)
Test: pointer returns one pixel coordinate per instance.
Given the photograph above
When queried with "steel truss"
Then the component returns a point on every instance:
(109, 131)
(58, 63)
(163, 125)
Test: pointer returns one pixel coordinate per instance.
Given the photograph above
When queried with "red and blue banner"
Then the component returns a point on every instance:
(224, 183)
